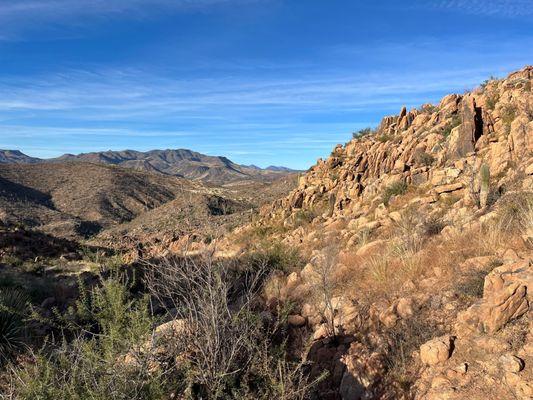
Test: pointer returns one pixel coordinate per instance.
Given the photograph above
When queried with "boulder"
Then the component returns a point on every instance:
(511, 363)
(436, 351)
(505, 297)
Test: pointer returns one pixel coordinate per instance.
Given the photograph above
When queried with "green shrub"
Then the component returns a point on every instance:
(363, 132)
(107, 323)
(12, 261)
(486, 82)
(453, 123)
(508, 114)
(13, 311)
(276, 256)
(394, 189)
(492, 100)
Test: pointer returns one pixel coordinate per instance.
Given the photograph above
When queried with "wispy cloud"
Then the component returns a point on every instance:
(499, 8)
(19, 16)
(292, 112)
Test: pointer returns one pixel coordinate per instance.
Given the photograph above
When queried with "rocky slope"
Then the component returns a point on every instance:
(182, 163)
(419, 237)
(71, 199)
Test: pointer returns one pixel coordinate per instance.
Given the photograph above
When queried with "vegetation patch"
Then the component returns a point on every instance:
(453, 123)
(394, 189)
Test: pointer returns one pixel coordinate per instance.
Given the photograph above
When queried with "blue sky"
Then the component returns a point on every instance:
(259, 81)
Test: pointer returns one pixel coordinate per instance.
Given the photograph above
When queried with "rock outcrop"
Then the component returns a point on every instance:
(429, 278)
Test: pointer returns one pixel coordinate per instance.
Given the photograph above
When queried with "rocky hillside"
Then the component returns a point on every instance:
(419, 242)
(182, 163)
(82, 198)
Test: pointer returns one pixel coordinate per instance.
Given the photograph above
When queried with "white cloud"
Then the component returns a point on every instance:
(19, 16)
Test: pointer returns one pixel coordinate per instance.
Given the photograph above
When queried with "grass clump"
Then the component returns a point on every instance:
(515, 214)
(394, 189)
(384, 138)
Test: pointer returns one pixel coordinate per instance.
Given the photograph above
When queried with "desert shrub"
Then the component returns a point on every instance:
(453, 123)
(229, 350)
(363, 132)
(424, 158)
(508, 114)
(263, 231)
(12, 260)
(492, 100)
(515, 213)
(305, 216)
(106, 323)
(275, 256)
(394, 189)
(471, 285)
(13, 312)
(486, 82)
(405, 338)
(384, 138)
(80, 370)
(432, 226)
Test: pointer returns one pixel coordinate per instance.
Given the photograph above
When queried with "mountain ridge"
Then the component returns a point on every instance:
(176, 162)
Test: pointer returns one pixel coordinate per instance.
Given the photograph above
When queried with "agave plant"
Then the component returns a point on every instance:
(13, 306)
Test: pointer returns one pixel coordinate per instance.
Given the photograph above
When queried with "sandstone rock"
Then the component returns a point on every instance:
(296, 320)
(388, 317)
(436, 351)
(449, 188)
(511, 363)
(505, 297)
(292, 280)
(405, 308)
(321, 332)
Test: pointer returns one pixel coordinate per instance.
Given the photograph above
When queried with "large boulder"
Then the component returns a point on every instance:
(506, 296)
(436, 351)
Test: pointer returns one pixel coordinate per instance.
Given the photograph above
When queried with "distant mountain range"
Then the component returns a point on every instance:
(181, 162)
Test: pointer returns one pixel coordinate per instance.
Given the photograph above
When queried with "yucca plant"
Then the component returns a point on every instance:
(13, 307)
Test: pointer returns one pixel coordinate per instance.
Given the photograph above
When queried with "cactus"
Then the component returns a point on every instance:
(484, 185)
